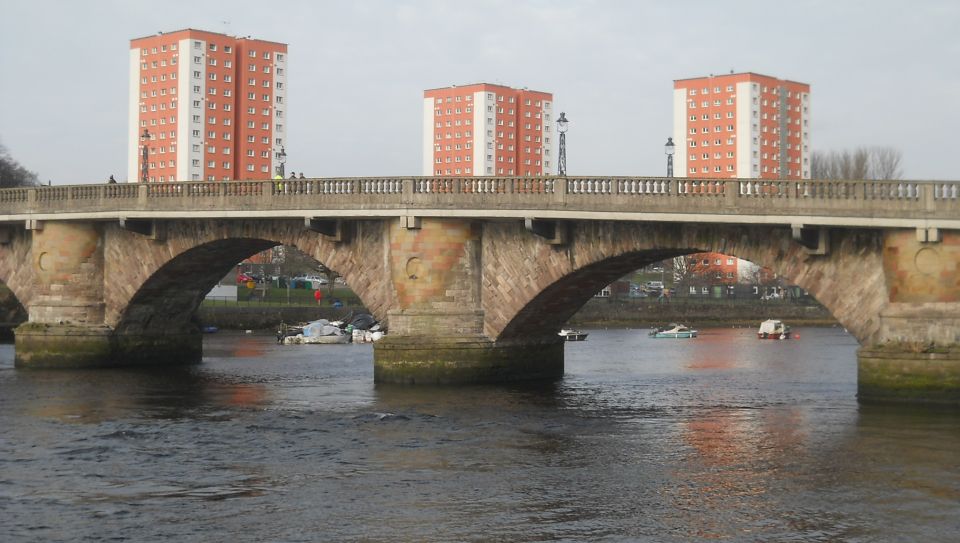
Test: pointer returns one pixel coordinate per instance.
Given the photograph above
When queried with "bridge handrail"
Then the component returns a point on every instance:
(858, 198)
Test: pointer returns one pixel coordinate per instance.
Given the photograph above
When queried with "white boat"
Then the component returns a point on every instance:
(316, 332)
(300, 339)
(569, 334)
(673, 331)
(773, 329)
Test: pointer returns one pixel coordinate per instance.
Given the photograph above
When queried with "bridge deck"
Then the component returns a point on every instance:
(921, 204)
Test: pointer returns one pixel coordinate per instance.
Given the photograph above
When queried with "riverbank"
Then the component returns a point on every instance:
(267, 317)
(606, 313)
(597, 313)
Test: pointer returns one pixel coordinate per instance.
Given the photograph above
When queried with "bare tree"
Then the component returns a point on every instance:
(12, 174)
(820, 166)
(679, 269)
(861, 163)
(886, 163)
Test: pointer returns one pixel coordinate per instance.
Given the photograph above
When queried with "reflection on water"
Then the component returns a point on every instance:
(720, 437)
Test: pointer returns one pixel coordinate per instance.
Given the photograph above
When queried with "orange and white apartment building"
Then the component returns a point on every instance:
(741, 125)
(215, 106)
(487, 130)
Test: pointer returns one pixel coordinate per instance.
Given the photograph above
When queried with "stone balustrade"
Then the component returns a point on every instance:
(869, 200)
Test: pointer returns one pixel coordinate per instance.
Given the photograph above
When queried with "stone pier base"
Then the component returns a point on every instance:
(463, 360)
(72, 346)
(893, 373)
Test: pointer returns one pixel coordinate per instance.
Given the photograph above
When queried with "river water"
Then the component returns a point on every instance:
(723, 437)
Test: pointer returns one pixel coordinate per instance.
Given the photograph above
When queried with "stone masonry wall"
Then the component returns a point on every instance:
(172, 274)
(532, 287)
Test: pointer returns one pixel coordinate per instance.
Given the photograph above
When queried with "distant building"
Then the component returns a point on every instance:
(214, 106)
(742, 125)
(484, 129)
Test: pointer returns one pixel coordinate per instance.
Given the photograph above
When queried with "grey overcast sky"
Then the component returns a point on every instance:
(881, 73)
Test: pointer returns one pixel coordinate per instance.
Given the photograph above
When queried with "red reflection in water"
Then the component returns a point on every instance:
(247, 396)
(713, 352)
(247, 347)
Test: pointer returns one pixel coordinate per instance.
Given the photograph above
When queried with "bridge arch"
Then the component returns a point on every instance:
(544, 285)
(157, 286)
(15, 252)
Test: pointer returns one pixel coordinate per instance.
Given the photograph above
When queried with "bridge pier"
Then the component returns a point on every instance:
(894, 373)
(44, 345)
(463, 360)
(436, 333)
(917, 355)
(66, 316)
(920, 359)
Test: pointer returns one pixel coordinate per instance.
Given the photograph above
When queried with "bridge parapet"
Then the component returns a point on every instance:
(905, 204)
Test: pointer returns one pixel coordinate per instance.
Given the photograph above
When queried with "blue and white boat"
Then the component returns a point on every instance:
(673, 331)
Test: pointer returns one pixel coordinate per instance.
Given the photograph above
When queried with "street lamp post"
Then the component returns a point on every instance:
(669, 149)
(144, 152)
(562, 129)
(282, 159)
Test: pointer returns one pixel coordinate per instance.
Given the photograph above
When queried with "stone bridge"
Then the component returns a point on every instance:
(475, 276)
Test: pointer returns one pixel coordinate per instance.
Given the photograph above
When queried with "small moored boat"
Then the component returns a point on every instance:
(673, 331)
(569, 334)
(773, 329)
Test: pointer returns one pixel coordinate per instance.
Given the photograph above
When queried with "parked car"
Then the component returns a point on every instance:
(308, 281)
(244, 278)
